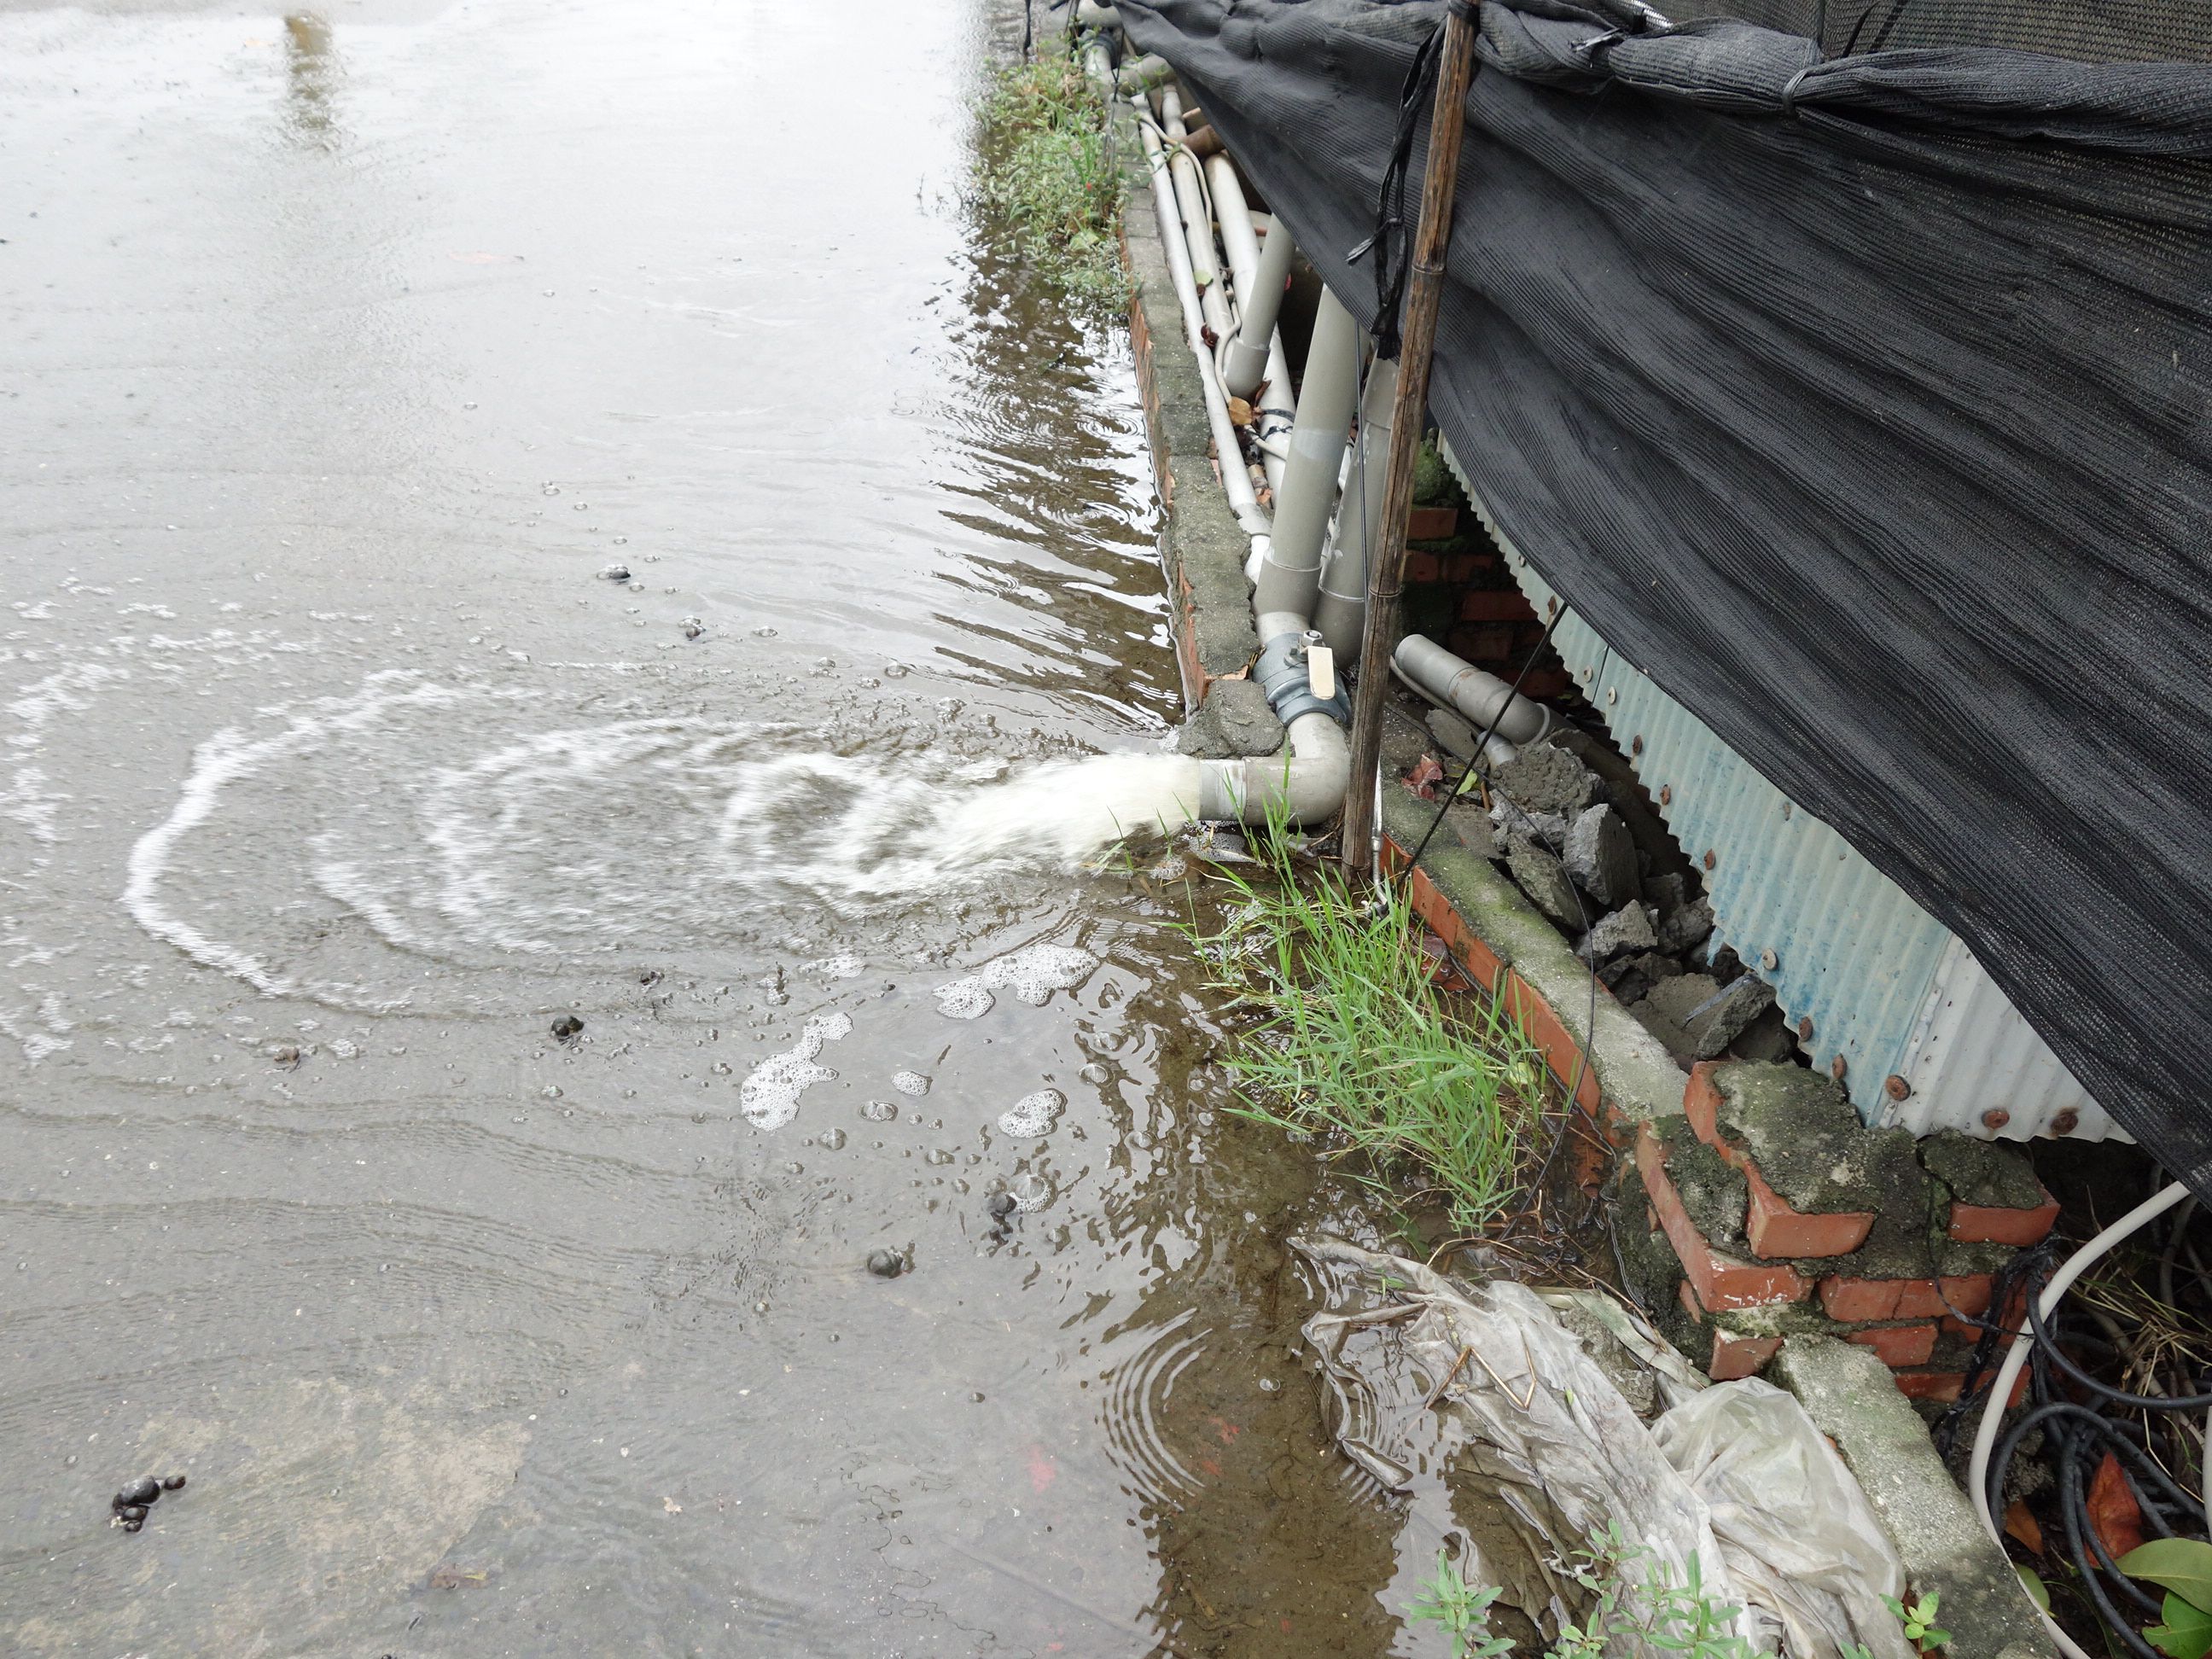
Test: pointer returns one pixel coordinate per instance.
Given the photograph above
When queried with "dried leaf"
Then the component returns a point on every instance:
(2113, 1510)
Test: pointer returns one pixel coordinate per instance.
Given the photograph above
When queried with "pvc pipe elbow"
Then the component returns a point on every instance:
(1304, 785)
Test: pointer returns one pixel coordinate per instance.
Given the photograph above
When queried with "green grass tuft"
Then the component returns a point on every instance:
(1048, 181)
(1354, 1044)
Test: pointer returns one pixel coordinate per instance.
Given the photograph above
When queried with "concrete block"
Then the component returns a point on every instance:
(1631, 978)
(1695, 1022)
(1685, 928)
(1851, 1397)
(1600, 855)
(1628, 929)
(1807, 1142)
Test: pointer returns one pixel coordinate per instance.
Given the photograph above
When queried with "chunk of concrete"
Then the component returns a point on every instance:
(1544, 779)
(1457, 736)
(1472, 828)
(1693, 1017)
(1547, 828)
(1850, 1396)
(1544, 879)
(1670, 892)
(1768, 1037)
(1628, 928)
(1233, 721)
(1600, 855)
(1685, 928)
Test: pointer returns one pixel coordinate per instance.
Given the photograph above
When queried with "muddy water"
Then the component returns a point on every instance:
(340, 357)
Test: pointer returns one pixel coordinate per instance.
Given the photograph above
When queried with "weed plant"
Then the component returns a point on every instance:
(1353, 1044)
(1048, 181)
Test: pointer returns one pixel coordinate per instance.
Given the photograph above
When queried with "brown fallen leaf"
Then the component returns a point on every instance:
(1240, 412)
(2023, 1525)
(2112, 1509)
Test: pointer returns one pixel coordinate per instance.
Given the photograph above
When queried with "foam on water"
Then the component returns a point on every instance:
(1032, 974)
(1033, 1113)
(770, 1096)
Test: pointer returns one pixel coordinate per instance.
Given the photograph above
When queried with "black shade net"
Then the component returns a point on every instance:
(1865, 403)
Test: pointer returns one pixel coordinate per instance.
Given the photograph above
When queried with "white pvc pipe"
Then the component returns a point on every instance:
(1305, 783)
(1197, 216)
(1236, 481)
(1985, 1434)
(1340, 609)
(1246, 364)
(1273, 410)
(1481, 698)
(1290, 577)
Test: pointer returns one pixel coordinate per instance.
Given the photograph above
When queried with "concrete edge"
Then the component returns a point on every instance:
(1848, 1393)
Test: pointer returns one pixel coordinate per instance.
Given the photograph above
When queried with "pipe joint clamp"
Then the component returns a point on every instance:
(1284, 676)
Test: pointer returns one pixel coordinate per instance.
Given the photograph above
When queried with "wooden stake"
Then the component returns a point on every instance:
(1386, 570)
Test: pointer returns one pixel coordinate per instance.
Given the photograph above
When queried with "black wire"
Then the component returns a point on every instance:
(2148, 1402)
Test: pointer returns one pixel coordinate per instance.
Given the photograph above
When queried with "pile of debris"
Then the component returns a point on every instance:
(1567, 823)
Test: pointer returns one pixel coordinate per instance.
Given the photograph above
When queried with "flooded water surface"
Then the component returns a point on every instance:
(536, 518)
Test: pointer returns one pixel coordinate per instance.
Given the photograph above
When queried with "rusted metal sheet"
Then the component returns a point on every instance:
(1925, 1038)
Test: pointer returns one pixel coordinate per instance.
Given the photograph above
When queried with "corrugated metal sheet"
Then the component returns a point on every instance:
(1882, 983)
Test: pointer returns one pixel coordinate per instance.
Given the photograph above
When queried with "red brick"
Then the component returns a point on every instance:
(1977, 1224)
(1930, 1298)
(1423, 568)
(1945, 1387)
(1701, 1103)
(1730, 1357)
(1466, 567)
(1719, 1281)
(1548, 1032)
(1431, 524)
(1494, 604)
(1483, 641)
(1898, 1345)
(1546, 684)
(1850, 1300)
(1775, 1230)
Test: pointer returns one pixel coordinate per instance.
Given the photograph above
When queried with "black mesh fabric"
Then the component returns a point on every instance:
(1866, 403)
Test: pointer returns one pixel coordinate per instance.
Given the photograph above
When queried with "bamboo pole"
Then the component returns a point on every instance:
(1386, 569)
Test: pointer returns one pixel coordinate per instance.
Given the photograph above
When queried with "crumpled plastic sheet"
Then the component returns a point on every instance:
(1483, 1383)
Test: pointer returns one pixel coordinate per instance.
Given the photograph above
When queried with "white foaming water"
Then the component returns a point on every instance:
(1032, 976)
(432, 814)
(911, 1083)
(1032, 1115)
(770, 1096)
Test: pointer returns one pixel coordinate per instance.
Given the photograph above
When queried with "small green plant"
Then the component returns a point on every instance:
(1048, 182)
(1354, 1043)
(1640, 1607)
(1919, 1620)
(2182, 1567)
(1463, 1611)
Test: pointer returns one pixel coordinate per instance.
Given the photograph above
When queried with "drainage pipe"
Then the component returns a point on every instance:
(1482, 698)
(1273, 410)
(1341, 611)
(1091, 14)
(1290, 576)
(1236, 481)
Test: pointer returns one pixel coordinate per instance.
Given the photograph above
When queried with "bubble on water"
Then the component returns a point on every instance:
(937, 1155)
(880, 1111)
(770, 1096)
(1096, 1074)
(895, 670)
(1033, 1114)
(839, 967)
(1031, 1190)
(1032, 974)
(344, 1050)
(909, 1083)
(830, 1139)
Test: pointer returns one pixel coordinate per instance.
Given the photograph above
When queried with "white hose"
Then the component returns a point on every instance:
(1236, 481)
(1985, 1435)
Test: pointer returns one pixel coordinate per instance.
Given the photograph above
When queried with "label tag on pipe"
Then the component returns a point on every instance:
(1321, 671)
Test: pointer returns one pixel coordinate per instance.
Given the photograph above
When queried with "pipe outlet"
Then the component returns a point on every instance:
(1304, 785)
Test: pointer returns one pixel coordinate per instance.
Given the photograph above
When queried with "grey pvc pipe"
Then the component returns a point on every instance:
(1305, 783)
(1272, 411)
(1481, 698)
(1340, 609)
(1147, 71)
(1236, 481)
(1091, 14)
(1290, 576)
(1262, 301)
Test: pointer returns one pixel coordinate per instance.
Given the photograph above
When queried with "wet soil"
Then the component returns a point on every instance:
(343, 355)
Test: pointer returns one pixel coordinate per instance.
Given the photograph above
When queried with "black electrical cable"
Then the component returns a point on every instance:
(2149, 1403)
